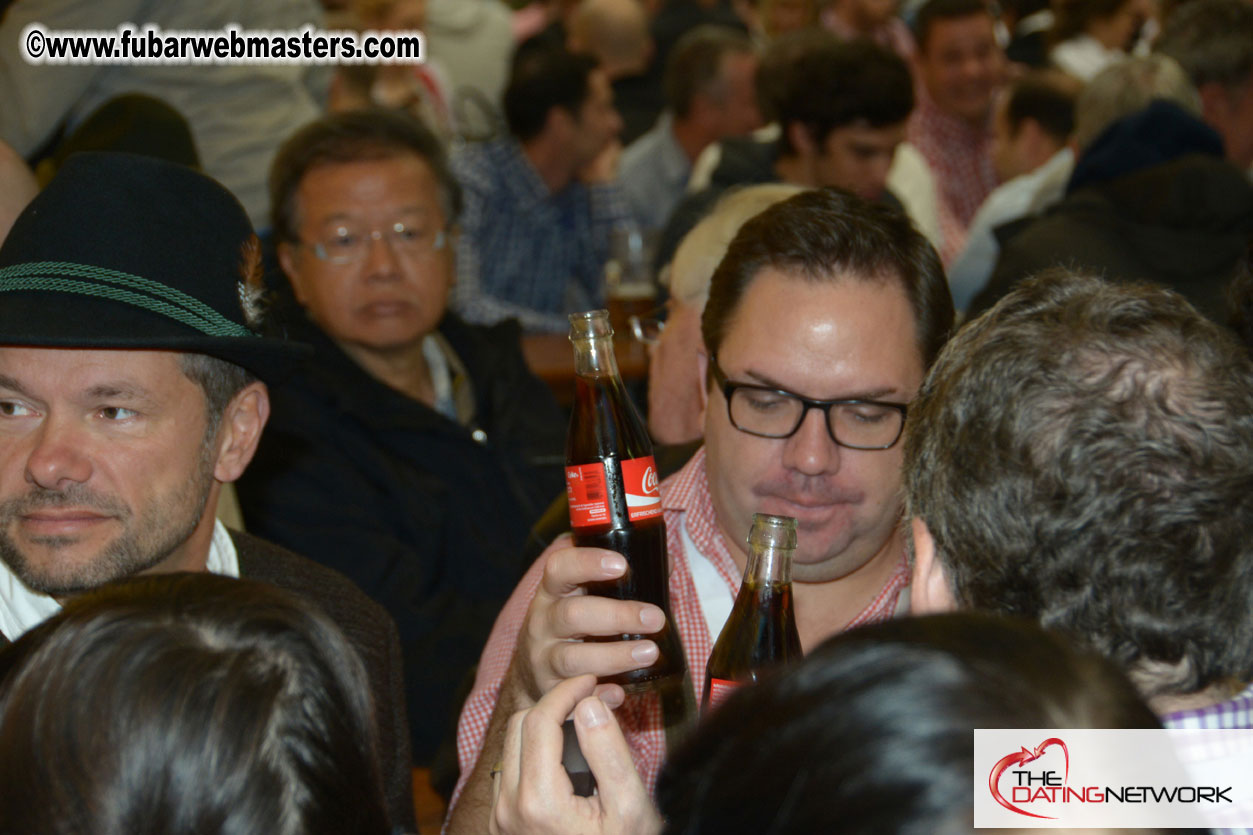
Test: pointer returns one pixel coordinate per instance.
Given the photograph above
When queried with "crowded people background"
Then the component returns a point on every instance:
(326, 302)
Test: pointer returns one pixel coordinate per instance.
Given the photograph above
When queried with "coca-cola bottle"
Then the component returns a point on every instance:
(611, 482)
(761, 629)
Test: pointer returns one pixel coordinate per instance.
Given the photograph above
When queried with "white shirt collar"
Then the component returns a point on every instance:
(22, 609)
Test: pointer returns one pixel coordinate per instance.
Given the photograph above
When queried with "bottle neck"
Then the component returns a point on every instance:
(594, 357)
(769, 564)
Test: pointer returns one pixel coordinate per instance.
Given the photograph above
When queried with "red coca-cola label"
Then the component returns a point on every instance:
(589, 501)
(719, 689)
(643, 496)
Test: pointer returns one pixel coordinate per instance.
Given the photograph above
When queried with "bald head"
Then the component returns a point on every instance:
(615, 32)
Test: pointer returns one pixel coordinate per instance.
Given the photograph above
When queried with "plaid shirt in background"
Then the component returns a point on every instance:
(1235, 714)
(523, 252)
(960, 159)
(685, 500)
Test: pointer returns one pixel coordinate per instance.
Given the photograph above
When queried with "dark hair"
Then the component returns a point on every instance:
(219, 380)
(1071, 17)
(837, 84)
(935, 11)
(1047, 97)
(872, 732)
(1083, 456)
(826, 235)
(184, 703)
(1212, 40)
(1240, 298)
(695, 65)
(774, 72)
(541, 80)
(351, 137)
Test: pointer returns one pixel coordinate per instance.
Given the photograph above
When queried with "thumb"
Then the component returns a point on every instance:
(622, 794)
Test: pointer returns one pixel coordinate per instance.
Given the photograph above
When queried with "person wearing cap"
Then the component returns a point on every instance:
(133, 385)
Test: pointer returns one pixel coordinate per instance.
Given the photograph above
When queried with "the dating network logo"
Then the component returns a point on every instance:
(1046, 780)
(1101, 778)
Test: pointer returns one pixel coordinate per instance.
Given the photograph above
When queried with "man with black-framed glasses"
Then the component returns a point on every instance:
(822, 317)
(769, 412)
(416, 450)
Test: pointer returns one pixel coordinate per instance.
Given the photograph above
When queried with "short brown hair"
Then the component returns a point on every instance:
(1082, 455)
(828, 235)
(695, 65)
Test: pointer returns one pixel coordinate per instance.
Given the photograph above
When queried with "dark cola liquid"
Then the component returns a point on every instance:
(759, 633)
(647, 579)
(606, 427)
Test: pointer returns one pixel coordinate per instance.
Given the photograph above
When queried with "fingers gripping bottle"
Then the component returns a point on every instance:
(761, 629)
(612, 485)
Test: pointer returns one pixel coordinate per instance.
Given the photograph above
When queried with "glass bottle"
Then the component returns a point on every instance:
(611, 481)
(761, 629)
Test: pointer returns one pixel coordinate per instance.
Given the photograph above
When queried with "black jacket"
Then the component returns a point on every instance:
(429, 521)
(1150, 199)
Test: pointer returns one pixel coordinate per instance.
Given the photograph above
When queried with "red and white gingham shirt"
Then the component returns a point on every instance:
(685, 501)
(959, 156)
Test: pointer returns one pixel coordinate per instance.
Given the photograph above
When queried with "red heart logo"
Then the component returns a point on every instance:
(1023, 757)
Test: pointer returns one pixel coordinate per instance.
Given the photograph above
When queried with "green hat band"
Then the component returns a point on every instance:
(153, 296)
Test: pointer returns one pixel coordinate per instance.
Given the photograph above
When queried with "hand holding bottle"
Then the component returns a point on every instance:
(532, 793)
(550, 648)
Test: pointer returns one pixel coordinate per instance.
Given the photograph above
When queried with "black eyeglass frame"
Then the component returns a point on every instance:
(729, 387)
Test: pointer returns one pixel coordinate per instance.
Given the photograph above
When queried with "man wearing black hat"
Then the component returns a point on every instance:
(132, 386)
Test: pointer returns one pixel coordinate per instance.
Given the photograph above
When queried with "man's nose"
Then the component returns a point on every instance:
(973, 67)
(58, 456)
(811, 451)
(381, 260)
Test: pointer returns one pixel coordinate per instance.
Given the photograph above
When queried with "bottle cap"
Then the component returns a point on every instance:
(773, 531)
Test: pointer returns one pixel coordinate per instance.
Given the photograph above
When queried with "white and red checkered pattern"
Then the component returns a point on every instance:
(685, 500)
(959, 156)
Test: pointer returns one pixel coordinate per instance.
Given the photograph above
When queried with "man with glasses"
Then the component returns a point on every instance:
(416, 450)
(821, 321)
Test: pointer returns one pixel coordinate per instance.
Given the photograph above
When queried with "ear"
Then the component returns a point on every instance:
(1040, 146)
(452, 241)
(1215, 105)
(801, 140)
(559, 123)
(240, 431)
(287, 260)
(929, 590)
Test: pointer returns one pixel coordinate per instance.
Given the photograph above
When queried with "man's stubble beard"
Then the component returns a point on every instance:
(144, 543)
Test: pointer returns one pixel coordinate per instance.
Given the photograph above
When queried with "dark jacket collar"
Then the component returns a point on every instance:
(350, 389)
(1159, 133)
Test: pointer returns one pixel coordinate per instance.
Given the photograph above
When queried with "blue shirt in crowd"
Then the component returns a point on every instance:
(525, 252)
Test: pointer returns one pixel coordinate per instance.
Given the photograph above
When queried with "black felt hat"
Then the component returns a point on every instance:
(126, 251)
